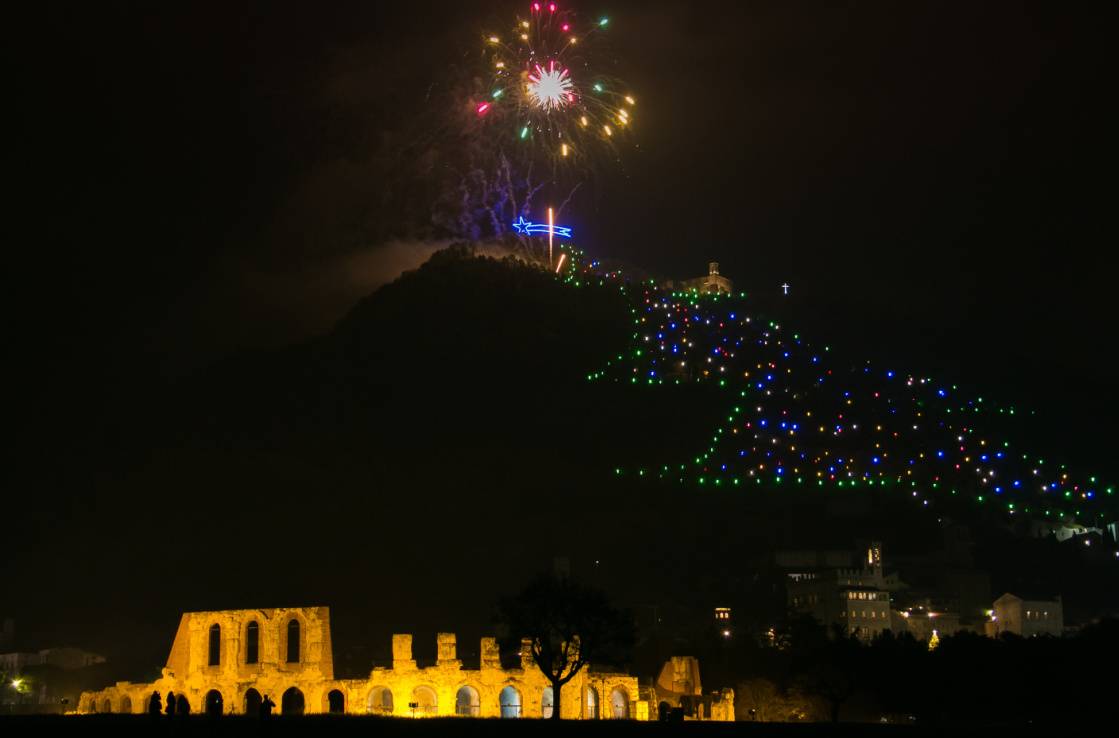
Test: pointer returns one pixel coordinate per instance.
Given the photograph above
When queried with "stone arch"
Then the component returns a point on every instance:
(510, 702)
(335, 702)
(106, 705)
(547, 703)
(252, 642)
(213, 648)
(292, 702)
(467, 701)
(213, 704)
(426, 701)
(251, 702)
(590, 704)
(126, 705)
(379, 701)
(619, 703)
(92, 706)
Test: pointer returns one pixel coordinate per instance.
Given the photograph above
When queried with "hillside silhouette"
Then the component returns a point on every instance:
(437, 446)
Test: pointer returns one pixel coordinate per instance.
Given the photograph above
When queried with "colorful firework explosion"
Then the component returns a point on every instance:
(546, 91)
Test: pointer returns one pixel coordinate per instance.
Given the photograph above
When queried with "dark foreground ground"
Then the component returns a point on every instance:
(117, 725)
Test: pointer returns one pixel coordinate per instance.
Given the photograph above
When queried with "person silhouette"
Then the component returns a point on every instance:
(182, 706)
(266, 707)
(155, 704)
(170, 709)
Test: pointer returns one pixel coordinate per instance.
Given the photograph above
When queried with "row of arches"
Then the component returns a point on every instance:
(425, 702)
(292, 702)
(469, 704)
(106, 705)
(252, 643)
(213, 703)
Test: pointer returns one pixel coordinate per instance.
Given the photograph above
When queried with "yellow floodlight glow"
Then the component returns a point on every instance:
(551, 234)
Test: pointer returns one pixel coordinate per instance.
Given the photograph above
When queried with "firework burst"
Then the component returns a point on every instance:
(545, 90)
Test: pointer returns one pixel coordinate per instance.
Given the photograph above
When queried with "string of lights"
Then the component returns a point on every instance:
(794, 417)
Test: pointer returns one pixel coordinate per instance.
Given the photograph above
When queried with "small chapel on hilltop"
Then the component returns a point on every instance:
(713, 283)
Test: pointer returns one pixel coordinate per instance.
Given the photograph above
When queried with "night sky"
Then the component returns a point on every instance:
(192, 181)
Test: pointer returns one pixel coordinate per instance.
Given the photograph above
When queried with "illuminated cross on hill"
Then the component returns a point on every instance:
(785, 287)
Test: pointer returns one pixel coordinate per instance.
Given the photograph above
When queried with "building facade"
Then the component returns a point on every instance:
(853, 597)
(1012, 614)
(67, 659)
(229, 661)
(925, 622)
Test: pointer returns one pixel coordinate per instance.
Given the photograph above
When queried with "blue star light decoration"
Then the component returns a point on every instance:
(528, 228)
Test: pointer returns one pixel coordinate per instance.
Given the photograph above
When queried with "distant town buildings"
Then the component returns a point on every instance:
(67, 659)
(1061, 530)
(853, 592)
(1012, 614)
(837, 589)
(925, 621)
(723, 621)
(7, 634)
(50, 679)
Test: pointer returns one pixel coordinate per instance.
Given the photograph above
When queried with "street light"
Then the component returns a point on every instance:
(17, 687)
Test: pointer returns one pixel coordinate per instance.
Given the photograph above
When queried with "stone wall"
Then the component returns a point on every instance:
(443, 689)
(679, 686)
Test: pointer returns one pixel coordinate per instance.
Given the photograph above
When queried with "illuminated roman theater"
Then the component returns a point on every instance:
(229, 661)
